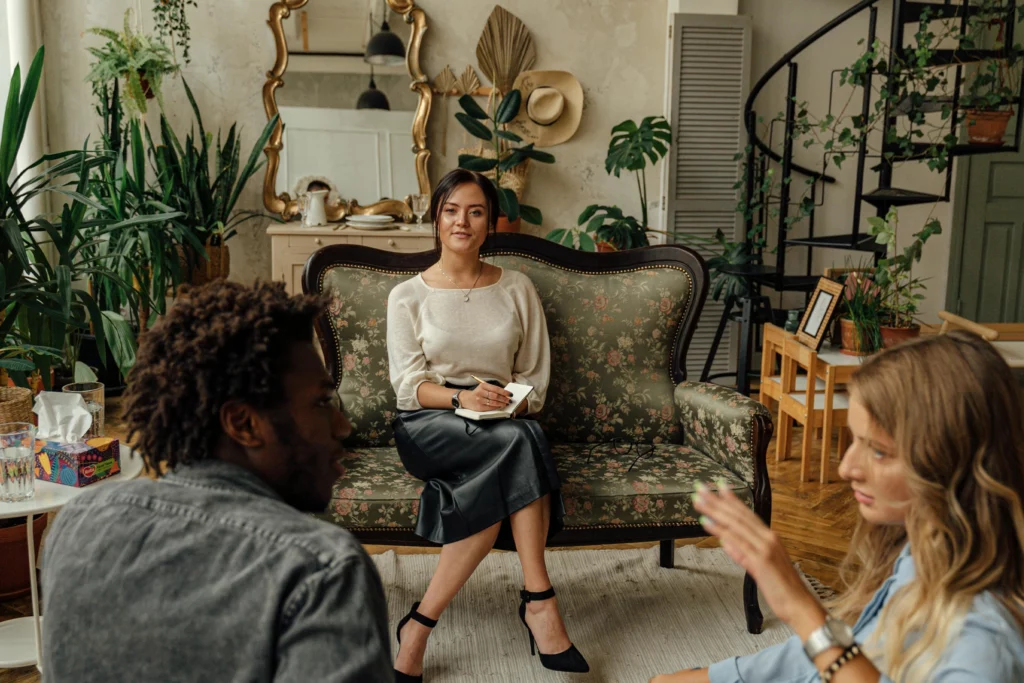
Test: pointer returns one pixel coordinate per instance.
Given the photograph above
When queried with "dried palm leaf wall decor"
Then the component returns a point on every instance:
(505, 48)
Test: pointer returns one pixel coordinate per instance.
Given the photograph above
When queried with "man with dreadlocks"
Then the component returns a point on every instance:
(212, 572)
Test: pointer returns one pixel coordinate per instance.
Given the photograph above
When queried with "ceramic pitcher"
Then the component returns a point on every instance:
(314, 211)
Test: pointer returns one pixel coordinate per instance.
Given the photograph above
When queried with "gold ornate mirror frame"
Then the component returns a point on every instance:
(285, 205)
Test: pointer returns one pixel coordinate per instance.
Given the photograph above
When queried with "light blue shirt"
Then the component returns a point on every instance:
(989, 648)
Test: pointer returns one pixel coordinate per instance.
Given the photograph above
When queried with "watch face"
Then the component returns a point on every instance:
(841, 632)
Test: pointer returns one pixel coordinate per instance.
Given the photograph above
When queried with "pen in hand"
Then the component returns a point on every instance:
(508, 397)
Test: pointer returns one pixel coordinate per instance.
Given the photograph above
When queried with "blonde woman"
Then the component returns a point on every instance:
(935, 573)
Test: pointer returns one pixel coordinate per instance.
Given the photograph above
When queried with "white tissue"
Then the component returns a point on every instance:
(62, 417)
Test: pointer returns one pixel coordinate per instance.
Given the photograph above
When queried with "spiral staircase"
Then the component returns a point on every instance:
(874, 189)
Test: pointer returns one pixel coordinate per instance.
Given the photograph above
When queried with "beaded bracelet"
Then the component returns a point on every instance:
(848, 654)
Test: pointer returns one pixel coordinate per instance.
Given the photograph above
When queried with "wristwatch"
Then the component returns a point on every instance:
(833, 633)
(456, 403)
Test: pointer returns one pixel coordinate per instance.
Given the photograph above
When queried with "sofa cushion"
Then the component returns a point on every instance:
(358, 314)
(599, 488)
(611, 344)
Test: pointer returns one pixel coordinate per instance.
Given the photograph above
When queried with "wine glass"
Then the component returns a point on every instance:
(420, 205)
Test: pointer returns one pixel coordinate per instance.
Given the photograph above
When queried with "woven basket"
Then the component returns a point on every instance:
(15, 405)
(514, 179)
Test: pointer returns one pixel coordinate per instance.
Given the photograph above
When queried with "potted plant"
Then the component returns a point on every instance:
(860, 321)
(606, 228)
(206, 197)
(504, 161)
(140, 61)
(900, 291)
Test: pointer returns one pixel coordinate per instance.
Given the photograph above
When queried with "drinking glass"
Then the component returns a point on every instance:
(17, 461)
(420, 205)
(92, 393)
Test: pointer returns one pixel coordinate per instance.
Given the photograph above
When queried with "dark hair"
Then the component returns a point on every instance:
(448, 184)
(220, 342)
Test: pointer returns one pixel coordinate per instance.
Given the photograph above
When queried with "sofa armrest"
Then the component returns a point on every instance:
(728, 427)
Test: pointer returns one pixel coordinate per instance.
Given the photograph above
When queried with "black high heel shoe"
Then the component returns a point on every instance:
(568, 660)
(426, 621)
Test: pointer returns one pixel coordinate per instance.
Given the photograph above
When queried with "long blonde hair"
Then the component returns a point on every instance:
(954, 411)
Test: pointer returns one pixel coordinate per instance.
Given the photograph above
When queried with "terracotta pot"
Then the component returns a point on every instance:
(14, 579)
(851, 340)
(894, 336)
(147, 90)
(987, 127)
(606, 247)
(199, 271)
(505, 226)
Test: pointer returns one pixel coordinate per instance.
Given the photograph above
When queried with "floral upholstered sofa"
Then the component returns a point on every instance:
(631, 438)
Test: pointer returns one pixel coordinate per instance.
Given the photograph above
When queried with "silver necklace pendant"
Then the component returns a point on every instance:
(466, 298)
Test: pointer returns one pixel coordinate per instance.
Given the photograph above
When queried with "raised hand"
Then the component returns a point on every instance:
(752, 545)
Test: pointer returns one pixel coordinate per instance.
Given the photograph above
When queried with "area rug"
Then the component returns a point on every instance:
(630, 618)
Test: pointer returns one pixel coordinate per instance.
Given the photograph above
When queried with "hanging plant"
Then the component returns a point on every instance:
(171, 23)
(140, 60)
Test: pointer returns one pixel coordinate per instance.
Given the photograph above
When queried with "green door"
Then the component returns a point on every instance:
(987, 250)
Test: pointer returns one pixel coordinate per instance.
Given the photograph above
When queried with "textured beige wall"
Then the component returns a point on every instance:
(615, 48)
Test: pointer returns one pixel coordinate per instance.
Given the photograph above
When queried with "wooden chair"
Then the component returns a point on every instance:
(811, 408)
(951, 321)
(771, 358)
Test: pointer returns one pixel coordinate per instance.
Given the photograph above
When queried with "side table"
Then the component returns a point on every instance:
(21, 639)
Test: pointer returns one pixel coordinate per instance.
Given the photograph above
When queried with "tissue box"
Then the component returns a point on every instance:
(77, 464)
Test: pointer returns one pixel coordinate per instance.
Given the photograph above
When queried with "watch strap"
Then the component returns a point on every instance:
(455, 399)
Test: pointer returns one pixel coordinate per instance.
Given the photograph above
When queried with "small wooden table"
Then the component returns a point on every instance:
(835, 368)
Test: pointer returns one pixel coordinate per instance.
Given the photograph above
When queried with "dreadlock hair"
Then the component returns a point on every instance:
(220, 342)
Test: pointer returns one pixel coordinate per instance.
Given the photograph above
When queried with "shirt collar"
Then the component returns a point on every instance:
(221, 474)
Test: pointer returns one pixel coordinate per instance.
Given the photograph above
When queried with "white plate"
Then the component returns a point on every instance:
(374, 226)
(370, 218)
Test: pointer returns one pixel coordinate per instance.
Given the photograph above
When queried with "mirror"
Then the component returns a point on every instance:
(334, 129)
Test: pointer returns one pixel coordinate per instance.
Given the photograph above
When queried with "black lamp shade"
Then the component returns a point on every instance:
(385, 48)
(371, 98)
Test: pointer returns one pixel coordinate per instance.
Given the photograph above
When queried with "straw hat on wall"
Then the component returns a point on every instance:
(552, 107)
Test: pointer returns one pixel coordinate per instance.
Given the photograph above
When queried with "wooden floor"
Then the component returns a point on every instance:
(815, 523)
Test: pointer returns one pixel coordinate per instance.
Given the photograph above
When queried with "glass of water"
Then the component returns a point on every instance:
(420, 205)
(17, 461)
(92, 392)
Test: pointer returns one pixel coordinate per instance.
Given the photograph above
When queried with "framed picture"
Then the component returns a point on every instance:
(819, 313)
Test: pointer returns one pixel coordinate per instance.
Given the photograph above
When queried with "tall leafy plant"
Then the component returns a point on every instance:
(506, 155)
(144, 254)
(43, 311)
(900, 290)
(206, 197)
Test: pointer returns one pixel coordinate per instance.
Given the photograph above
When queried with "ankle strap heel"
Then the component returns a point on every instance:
(413, 614)
(571, 660)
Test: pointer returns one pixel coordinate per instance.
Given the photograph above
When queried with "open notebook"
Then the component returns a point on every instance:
(519, 394)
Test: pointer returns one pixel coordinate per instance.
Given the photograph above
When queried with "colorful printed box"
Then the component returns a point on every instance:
(78, 464)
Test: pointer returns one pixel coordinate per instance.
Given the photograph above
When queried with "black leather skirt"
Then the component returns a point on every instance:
(475, 474)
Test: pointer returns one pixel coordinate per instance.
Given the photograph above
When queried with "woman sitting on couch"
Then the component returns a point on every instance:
(458, 320)
(935, 571)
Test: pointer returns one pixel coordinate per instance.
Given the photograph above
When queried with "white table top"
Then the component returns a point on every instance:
(833, 356)
(50, 496)
(1012, 352)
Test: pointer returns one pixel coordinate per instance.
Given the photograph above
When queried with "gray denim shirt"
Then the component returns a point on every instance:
(207, 575)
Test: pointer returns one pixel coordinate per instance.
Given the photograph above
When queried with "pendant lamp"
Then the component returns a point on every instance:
(371, 98)
(385, 48)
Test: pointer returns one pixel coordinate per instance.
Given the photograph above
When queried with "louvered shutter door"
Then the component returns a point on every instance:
(709, 78)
